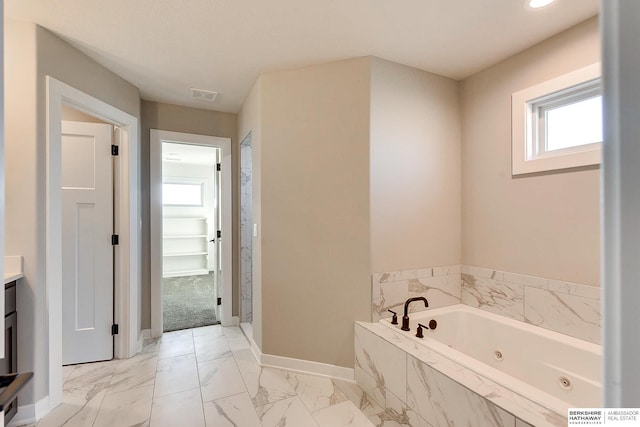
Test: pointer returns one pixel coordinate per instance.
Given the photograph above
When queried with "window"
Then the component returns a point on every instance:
(182, 194)
(558, 124)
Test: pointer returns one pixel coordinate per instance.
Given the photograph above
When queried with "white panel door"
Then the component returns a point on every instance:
(87, 254)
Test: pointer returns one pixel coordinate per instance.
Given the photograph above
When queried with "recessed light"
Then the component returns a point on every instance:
(536, 4)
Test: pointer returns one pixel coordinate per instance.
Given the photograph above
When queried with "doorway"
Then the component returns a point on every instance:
(190, 229)
(126, 218)
(183, 238)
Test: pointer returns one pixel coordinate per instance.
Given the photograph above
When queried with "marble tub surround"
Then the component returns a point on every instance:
(569, 308)
(440, 285)
(419, 387)
(205, 377)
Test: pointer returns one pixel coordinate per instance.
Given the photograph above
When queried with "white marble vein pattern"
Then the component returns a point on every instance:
(315, 392)
(370, 386)
(265, 385)
(176, 374)
(382, 361)
(232, 411)
(127, 408)
(210, 347)
(586, 291)
(87, 374)
(502, 298)
(289, 412)
(178, 409)
(443, 402)
(135, 372)
(440, 290)
(362, 400)
(481, 385)
(399, 413)
(219, 378)
(176, 344)
(79, 407)
(568, 314)
(344, 414)
(121, 392)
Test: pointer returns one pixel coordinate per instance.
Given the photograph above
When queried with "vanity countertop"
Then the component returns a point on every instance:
(13, 268)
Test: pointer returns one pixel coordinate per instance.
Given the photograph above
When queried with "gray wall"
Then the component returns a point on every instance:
(32, 53)
(187, 120)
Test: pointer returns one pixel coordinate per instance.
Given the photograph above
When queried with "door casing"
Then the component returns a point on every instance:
(155, 180)
(127, 219)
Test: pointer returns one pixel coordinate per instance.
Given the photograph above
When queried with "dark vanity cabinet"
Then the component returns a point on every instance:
(10, 362)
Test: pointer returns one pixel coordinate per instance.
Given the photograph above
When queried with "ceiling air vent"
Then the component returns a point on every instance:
(203, 95)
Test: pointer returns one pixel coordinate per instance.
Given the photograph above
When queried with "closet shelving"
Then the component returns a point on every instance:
(184, 246)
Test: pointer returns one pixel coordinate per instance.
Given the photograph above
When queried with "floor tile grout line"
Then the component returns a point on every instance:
(204, 416)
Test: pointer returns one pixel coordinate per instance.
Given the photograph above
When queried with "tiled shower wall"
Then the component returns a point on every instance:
(569, 308)
(246, 232)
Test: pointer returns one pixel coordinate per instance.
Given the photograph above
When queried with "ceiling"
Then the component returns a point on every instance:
(167, 47)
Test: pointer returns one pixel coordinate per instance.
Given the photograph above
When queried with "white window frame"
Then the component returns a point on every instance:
(528, 152)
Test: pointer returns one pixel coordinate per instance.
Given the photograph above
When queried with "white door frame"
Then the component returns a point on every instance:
(155, 181)
(127, 219)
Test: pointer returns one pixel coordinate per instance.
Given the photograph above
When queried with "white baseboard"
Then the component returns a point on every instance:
(247, 329)
(297, 365)
(28, 414)
(307, 367)
(235, 321)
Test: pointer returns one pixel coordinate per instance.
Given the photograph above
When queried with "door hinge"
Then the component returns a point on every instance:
(114, 150)
(219, 301)
(115, 239)
(219, 234)
(114, 329)
(219, 167)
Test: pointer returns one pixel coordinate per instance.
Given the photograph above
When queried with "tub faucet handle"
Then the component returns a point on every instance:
(394, 319)
(419, 330)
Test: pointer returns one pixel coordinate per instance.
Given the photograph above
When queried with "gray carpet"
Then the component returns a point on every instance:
(188, 302)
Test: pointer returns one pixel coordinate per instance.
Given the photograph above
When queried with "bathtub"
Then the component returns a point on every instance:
(553, 370)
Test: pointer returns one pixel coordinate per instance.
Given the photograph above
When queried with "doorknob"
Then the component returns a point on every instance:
(212, 240)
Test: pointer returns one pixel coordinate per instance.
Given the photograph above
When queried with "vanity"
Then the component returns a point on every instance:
(10, 381)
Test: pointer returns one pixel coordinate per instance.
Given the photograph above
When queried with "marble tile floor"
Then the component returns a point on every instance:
(205, 377)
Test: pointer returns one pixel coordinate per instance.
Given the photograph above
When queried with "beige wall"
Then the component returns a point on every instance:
(545, 225)
(187, 120)
(32, 53)
(415, 168)
(250, 121)
(315, 210)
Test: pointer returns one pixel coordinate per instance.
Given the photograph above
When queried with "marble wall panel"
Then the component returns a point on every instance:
(568, 308)
(440, 285)
(381, 361)
(246, 232)
(443, 402)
